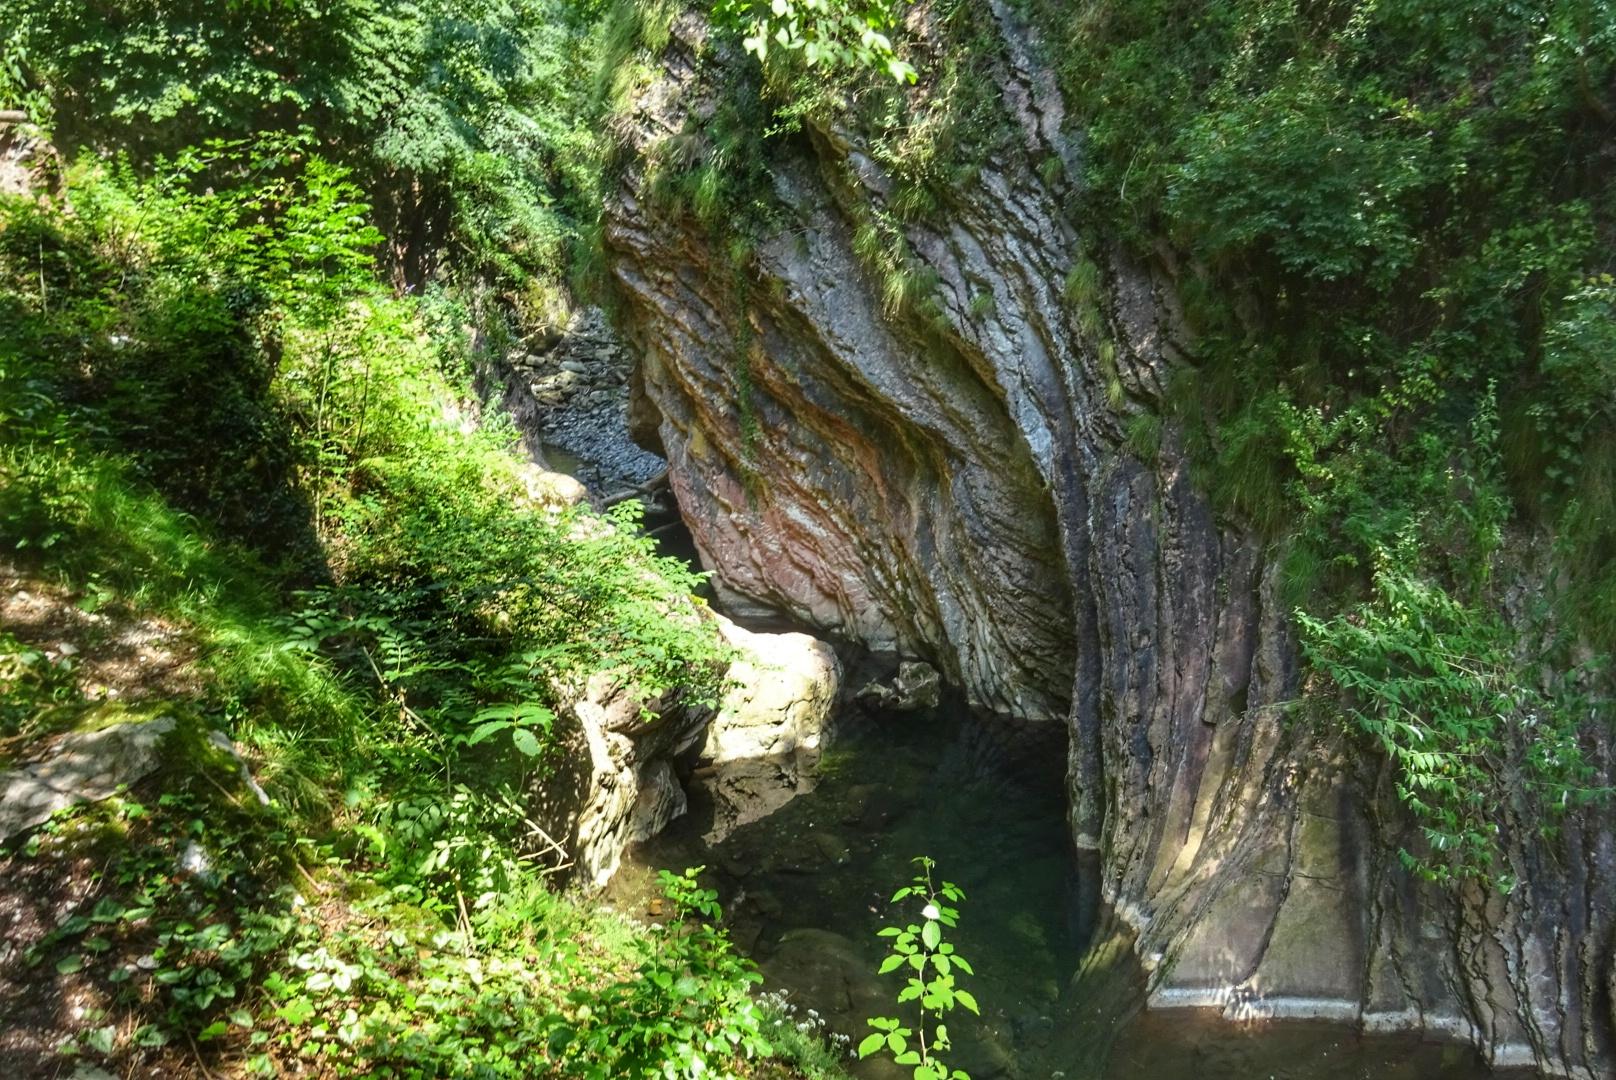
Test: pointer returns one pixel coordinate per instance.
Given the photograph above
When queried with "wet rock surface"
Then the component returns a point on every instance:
(917, 685)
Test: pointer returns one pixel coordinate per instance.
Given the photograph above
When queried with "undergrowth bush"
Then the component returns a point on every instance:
(212, 413)
(686, 1010)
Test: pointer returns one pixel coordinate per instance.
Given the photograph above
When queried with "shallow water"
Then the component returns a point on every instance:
(806, 889)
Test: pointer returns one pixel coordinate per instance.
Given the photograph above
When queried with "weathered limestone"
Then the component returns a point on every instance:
(613, 783)
(83, 766)
(961, 489)
(616, 783)
(763, 746)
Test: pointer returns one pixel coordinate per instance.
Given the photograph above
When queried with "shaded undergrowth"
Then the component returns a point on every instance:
(212, 418)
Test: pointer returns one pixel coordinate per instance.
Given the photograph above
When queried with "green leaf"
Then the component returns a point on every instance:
(526, 742)
(965, 998)
(297, 1011)
(70, 964)
(931, 934)
(871, 1044)
(483, 731)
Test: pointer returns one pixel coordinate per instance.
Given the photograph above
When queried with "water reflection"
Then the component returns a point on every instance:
(806, 889)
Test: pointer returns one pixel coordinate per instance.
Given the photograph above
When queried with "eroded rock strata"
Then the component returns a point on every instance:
(963, 493)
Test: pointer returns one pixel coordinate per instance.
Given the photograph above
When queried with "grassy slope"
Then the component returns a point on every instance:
(219, 430)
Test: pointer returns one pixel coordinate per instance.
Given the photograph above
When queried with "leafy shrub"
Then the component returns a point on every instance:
(686, 1011)
(381, 692)
(1434, 685)
(829, 32)
(928, 965)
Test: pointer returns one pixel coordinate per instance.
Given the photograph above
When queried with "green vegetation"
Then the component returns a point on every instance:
(215, 416)
(686, 1009)
(1391, 228)
(237, 357)
(830, 32)
(468, 124)
(928, 963)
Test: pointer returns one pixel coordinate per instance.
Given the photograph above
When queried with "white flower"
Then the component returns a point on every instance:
(930, 911)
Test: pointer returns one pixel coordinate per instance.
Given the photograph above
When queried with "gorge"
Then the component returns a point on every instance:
(568, 538)
(966, 492)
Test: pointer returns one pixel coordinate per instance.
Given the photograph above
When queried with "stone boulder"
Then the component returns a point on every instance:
(614, 781)
(547, 490)
(83, 766)
(763, 747)
(917, 686)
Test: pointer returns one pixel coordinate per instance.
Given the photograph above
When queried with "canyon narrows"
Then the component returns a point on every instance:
(959, 486)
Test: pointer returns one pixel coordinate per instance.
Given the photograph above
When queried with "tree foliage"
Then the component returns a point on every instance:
(833, 33)
(1390, 224)
(465, 123)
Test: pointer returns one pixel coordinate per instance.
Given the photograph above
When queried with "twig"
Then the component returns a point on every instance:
(198, 1055)
(397, 697)
(554, 845)
(465, 922)
(222, 791)
(308, 877)
(625, 494)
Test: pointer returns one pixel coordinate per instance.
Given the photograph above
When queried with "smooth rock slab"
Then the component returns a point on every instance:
(771, 727)
(84, 767)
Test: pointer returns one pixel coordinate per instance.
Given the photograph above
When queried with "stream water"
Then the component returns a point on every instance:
(806, 889)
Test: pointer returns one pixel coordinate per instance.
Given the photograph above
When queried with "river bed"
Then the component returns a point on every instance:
(806, 889)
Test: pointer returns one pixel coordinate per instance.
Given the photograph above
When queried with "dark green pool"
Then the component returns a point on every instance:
(806, 889)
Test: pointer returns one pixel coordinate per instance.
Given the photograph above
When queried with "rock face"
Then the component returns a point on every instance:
(84, 766)
(762, 748)
(614, 782)
(618, 783)
(566, 390)
(960, 488)
(916, 686)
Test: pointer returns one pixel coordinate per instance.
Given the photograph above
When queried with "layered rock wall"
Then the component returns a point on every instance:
(960, 488)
